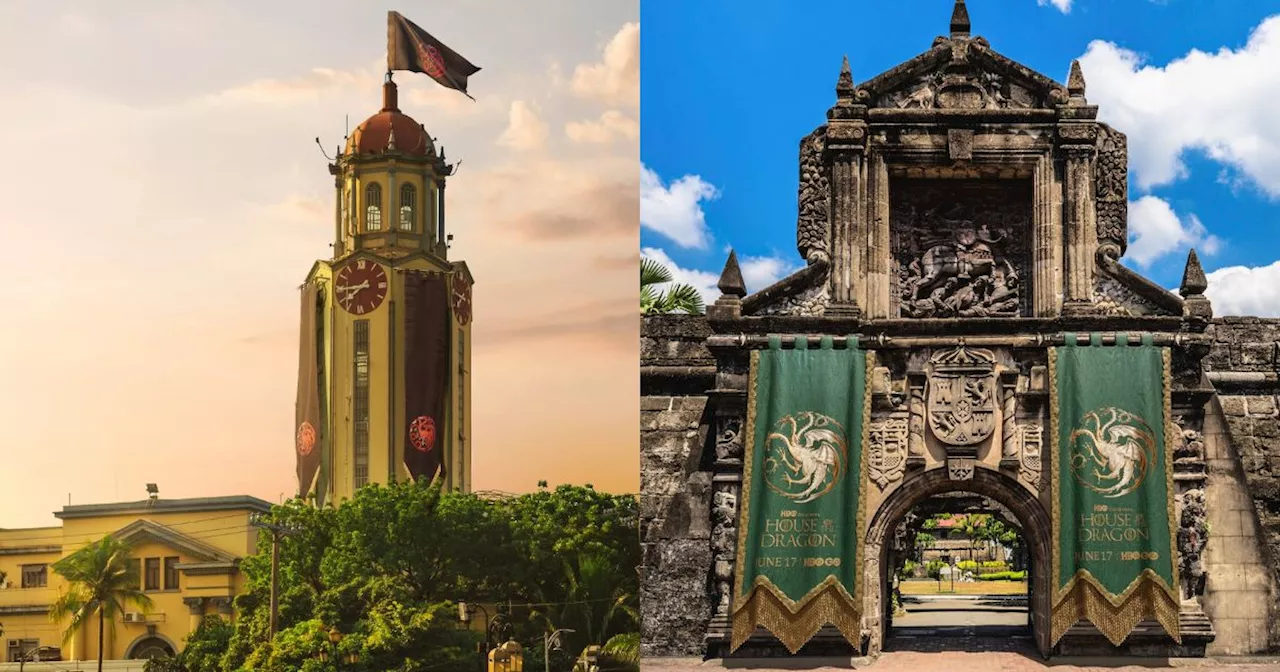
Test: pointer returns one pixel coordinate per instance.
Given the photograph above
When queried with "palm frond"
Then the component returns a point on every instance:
(683, 298)
(653, 273)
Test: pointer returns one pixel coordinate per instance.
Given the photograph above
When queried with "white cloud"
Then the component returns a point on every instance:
(757, 273)
(1063, 6)
(525, 129)
(760, 272)
(612, 124)
(616, 78)
(1221, 104)
(675, 211)
(1240, 290)
(1156, 230)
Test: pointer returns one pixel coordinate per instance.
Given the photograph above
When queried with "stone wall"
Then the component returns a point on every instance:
(675, 504)
(1242, 451)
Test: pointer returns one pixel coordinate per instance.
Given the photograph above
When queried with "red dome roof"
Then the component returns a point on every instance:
(377, 133)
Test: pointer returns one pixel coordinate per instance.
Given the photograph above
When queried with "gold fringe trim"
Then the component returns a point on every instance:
(794, 623)
(1114, 617)
(748, 459)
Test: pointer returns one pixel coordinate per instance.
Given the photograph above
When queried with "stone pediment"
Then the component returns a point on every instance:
(960, 73)
(146, 531)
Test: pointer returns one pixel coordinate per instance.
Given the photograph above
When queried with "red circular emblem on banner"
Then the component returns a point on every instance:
(306, 439)
(431, 61)
(462, 299)
(422, 433)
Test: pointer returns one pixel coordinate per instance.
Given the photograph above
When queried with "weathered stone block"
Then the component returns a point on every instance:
(1262, 406)
(1232, 405)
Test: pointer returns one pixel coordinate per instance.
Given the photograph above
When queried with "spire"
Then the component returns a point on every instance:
(1075, 81)
(731, 283)
(844, 84)
(1193, 281)
(391, 139)
(959, 20)
(389, 97)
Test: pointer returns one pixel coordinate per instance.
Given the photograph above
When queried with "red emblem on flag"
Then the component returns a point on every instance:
(462, 298)
(422, 433)
(432, 63)
(306, 439)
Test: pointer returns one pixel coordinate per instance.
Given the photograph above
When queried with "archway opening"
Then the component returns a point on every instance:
(1017, 623)
(150, 648)
(958, 569)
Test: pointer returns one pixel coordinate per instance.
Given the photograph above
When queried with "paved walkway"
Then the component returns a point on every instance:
(959, 634)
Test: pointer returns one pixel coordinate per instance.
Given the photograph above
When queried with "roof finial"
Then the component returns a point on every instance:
(391, 139)
(1193, 281)
(1075, 81)
(844, 84)
(959, 20)
(731, 283)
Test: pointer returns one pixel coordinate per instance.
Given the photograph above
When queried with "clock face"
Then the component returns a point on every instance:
(462, 299)
(361, 286)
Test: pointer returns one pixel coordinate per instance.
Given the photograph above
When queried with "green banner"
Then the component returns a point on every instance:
(798, 557)
(1114, 539)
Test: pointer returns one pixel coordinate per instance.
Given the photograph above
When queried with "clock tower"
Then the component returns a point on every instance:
(385, 347)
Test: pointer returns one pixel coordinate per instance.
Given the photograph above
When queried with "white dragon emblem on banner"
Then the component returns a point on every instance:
(805, 456)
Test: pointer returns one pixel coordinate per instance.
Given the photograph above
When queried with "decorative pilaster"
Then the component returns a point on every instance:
(846, 139)
(915, 423)
(1046, 284)
(1080, 226)
(1010, 437)
(195, 607)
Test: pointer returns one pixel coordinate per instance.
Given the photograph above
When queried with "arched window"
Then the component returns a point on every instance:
(373, 207)
(407, 198)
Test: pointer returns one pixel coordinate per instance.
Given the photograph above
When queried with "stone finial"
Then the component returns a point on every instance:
(844, 84)
(1075, 81)
(1193, 281)
(959, 20)
(391, 140)
(731, 283)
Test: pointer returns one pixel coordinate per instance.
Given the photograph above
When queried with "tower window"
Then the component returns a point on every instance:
(407, 198)
(360, 405)
(373, 207)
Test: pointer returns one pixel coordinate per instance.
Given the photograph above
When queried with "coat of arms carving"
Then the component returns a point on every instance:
(961, 406)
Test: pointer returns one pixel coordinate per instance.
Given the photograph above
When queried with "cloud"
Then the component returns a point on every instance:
(525, 130)
(1220, 104)
(1240, 290)
(1063, 6)
(599, 211)
(675, 211)
(757, 273)
(1156, 230)
(616, 78)
(610, 126)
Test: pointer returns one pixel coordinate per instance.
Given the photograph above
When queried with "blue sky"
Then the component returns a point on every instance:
(730, 86)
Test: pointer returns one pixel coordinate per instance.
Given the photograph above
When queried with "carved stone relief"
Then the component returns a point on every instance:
(887, 454)
(724, 542)
(1113, 298)
(959, 247)
(814, 197)
(811, 302)
(960, 468)
(961, 407)
(1111, 190)
(1032, 443)
(1193, 535)
(980, 90)
(728, 438)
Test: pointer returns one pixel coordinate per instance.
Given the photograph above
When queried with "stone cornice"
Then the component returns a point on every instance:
(192, 505)
(146, 530)
(23, 609)
(29, 550)
(208, 568)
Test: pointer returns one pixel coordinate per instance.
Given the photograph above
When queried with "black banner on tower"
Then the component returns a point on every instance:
(309, 429)
(426, 384)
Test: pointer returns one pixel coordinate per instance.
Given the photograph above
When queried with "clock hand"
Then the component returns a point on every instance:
(353, 288)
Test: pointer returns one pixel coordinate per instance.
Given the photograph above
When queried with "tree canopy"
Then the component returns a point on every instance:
(387, 568)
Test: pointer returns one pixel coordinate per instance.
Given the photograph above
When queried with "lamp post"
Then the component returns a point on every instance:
(549, 640)
(468, 611)
(335, 638)
(31, 656)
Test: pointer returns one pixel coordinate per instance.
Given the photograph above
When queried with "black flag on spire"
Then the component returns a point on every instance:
(414, 49)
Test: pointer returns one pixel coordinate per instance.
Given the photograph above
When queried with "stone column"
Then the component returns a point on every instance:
(1046, 274)
(1080, 223)
(915, 423)
(846, 142)
(877, 237)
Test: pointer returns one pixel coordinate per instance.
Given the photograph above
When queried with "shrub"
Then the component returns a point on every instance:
(967, 566)
(1003, 576)
(908, 569)
(934, 569)
(994, 566)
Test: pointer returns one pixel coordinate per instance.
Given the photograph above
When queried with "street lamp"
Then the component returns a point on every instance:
(32, 656)
(335, 638)
(549, 640)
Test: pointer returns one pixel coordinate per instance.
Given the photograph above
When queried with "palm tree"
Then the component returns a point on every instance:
(101, 580)
(677, 298)
(595, 604)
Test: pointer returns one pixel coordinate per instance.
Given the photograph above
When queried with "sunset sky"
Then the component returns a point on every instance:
(163, 197)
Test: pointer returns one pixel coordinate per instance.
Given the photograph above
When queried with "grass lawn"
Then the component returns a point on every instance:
(930, 587)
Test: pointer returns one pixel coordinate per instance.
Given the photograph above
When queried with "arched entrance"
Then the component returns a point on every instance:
(150, 647)
(1008, 492)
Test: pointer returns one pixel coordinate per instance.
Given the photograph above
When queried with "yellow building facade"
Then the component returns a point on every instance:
(389, 219)
(188, 554)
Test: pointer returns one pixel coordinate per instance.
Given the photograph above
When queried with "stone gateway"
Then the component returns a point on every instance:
(962, 218)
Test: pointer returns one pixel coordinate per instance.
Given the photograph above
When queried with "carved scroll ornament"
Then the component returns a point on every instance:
(812, 225)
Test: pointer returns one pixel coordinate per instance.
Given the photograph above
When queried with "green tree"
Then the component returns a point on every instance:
(101, 581)
(678, 298)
